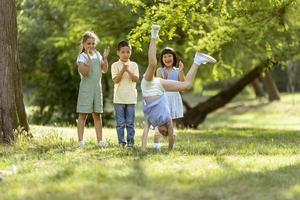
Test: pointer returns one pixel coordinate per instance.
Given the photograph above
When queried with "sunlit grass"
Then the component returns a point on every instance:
(248, 150)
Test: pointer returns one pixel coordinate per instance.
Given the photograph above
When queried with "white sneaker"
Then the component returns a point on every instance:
(81, 143)
(101, 143)
(154, 31)
(203, 58)
(156, 146)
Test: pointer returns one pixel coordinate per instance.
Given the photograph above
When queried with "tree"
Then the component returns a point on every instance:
(12, 109)
(241, 34)
(49, 42)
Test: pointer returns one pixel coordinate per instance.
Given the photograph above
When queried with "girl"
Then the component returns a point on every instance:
(91, 65)
(169, 71)
(155, 106)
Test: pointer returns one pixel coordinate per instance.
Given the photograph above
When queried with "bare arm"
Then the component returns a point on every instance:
(133, 77)
(181, 72)
(145, 135)
(83, 69)
(158, 74)
(118, 77)
(104, 64)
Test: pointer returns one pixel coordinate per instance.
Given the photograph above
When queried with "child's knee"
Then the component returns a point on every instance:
(96, 116)
(82, 116)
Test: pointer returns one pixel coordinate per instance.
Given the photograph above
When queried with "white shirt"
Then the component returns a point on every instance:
(152, 88)
(83, 58)
(125, 91)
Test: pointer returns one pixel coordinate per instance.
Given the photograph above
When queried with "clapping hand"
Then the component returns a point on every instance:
(89, 60)
(106, 52)
(180, 66)
(125, 67)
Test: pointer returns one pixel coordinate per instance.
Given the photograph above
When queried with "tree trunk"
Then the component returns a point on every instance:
(271, 87)
(193, 117)
(12, 109)
(291, 70)
(258, 88)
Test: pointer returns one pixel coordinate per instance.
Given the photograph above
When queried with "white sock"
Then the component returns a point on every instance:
(156, 145)
(81, 143)
(154, 31)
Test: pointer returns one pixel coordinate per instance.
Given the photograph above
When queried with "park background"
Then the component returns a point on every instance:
(239, 138)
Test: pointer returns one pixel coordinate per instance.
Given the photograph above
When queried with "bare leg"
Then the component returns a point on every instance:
(98, 125)
(174, 130)
(152, 61)
(198, 60)
(171, 135)
(80, 125)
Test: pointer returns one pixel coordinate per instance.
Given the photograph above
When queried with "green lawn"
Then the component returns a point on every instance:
(247, 150)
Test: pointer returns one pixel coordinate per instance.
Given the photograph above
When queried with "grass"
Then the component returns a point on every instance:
(247, 150)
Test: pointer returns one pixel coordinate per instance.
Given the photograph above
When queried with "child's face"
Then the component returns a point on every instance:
(163, 130)
(168, 60)
(124, 53)
(89, 45)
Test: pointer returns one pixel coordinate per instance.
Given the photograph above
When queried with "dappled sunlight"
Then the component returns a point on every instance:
(240, 152)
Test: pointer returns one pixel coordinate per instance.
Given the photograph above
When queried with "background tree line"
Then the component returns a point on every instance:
(242, 35)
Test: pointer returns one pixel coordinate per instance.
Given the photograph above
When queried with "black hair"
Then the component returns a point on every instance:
(123, 44)
(168, 50)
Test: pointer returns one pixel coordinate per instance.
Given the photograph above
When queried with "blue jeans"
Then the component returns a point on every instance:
(125, 114)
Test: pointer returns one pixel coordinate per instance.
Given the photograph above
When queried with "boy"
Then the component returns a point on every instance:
(125, 75)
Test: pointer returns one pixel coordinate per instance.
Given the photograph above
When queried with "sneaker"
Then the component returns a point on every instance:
(81, 143)
(101, 143)
(203, 58)
(154, 31)
(129, 145)
(156, 146)
(123, 144)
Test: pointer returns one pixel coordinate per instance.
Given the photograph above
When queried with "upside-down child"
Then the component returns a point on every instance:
(155, 105)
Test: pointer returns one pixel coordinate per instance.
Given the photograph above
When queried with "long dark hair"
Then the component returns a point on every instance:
(168, 50)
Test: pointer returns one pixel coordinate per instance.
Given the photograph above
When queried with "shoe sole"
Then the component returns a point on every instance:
(209, 58)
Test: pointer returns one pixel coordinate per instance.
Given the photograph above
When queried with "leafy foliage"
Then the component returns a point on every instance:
(50, 33)
(238, 33)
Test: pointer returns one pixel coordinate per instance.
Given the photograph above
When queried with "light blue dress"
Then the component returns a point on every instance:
(156, 112)
(90, 98)
(174, 98)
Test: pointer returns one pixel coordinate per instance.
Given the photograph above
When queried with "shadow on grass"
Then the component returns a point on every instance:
(277, 184)
(222, 141)
(245, 141)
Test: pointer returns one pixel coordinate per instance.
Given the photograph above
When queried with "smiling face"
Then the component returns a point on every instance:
(124, 53)
(168, 60)
(89, 45)
(168, 57)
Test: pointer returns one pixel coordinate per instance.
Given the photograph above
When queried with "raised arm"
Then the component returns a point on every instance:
(181, 76)
(104, 64)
